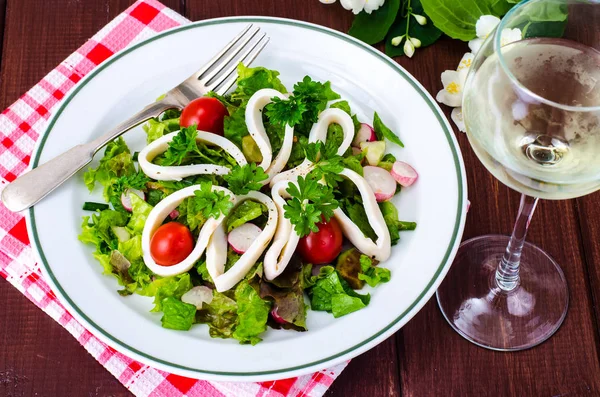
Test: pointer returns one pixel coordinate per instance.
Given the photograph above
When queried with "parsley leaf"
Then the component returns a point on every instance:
(328, 164)
(241, 180)
(182, 144)
(288, 111)
(310, 204)
(209, 202)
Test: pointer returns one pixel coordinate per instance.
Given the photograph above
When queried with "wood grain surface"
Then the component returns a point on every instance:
(426, 358)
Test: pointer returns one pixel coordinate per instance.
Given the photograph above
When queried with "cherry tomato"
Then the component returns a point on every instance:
(207, 113)
(171, 243)
(323, 246)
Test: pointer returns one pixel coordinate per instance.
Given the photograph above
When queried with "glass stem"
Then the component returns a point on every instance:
(507, 274)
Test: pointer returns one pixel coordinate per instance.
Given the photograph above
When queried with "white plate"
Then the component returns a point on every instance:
(371, 81)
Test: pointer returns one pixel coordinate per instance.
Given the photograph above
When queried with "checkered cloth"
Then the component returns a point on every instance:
(21, 125)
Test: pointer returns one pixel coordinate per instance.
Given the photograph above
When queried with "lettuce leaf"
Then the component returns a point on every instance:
(382, 131)
(332, 294)
(164, 287)
(252, 312)
(156, 128)
(132, 248)
(140, 211)
(373, 275)
(390, 216)
(251, 80)
(177, 314)
(245, 212)
(116, 162)
(220, 315)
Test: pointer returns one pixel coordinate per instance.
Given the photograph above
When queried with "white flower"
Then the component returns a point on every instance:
(416, 42)
(327, 1)
(457, 117)
(409, 48)
(510, 36)
(466, 61)
(357, 6)
(397, 40)
(454, 82)
(421, 20)
(485, 26)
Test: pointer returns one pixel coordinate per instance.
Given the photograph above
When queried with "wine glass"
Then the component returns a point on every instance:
(532, 113)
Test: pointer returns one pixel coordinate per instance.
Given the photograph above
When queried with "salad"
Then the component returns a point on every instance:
(246, 210)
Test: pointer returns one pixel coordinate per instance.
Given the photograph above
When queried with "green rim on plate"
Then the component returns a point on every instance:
(390, 62)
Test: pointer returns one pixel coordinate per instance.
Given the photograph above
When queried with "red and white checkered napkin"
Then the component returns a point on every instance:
(21, 125)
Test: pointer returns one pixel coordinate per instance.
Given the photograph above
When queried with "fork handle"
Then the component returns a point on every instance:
(34, 185)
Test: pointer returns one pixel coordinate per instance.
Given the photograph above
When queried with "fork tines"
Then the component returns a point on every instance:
(219, 74)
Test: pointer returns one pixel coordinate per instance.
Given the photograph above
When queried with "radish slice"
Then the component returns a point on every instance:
(242, 237)
(364, 134)
(403, 173)
(174, 214)
(381, 181)
(278, 319)
(126, 200)
(374, 151)
(197, 296)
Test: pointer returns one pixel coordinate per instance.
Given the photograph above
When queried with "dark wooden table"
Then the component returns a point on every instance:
(426, 358)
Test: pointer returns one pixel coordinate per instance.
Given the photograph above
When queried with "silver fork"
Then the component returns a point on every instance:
(217, 75)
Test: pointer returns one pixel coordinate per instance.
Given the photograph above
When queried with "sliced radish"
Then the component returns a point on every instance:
(278, 319)
(364, 134)
(403, 173)
(197, 296)
(242, 237)
(374, 151)
(174, 214)
(381, 181)
(126, 200)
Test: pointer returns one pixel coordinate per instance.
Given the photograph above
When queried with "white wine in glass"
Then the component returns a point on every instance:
(539, 135)
(532, 113)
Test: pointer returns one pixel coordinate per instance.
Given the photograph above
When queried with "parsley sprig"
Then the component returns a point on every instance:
(327, 163)
(308, 99)
(210, 203)
(311, 203)
(242, 180)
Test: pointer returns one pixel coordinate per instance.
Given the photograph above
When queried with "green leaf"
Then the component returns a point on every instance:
(372, 274)
(132, 248)
(177, 314)
(164, 287)
(246, 178)
(252, 312)
(251, 80)
(209, 202)
(457, 18)
(244, 213)
(342, 304)
(332, 294)
(234, 126)
(140, 211)
(287, 111)
(428, 33)
(372, 28)
(220, 315)
(382, 131)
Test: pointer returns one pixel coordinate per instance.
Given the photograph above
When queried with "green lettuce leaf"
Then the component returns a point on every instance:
(140, 211)
(251, 80)
(132, 248)
(164, 287)
(390, 216)
(156, 128)
(245, 212)
(177, 314)
(234, 126)
(372, 28)
(220, 315)
(373, 275)
(252, 312)
(116, 162)
(332, 294)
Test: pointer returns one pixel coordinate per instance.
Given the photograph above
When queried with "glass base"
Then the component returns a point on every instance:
(482, 313)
